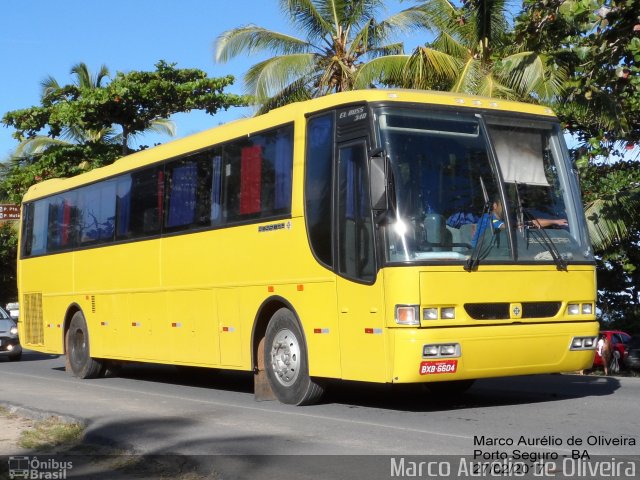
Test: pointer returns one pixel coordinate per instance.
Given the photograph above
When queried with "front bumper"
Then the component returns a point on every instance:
(490, 351)
(9, 347)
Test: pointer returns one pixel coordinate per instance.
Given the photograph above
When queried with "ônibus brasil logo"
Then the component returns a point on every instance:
(38, 469)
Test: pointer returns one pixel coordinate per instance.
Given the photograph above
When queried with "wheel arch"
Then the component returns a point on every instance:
(71, 311)
(266, 310)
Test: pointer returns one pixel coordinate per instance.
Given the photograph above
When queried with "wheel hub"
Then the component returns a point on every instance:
(285, 357)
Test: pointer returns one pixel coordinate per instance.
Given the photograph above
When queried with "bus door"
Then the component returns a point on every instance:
(359, 289)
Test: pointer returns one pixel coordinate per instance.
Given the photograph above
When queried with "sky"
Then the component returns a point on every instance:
(39, 38)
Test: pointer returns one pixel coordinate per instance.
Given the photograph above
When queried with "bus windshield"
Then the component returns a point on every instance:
(492, 189)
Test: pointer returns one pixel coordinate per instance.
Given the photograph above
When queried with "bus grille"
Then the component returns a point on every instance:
(500, 311)
(31, 315)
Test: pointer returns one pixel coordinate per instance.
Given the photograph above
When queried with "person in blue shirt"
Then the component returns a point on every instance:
(496, 220)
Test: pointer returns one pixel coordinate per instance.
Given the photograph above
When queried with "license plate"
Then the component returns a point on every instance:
(438, 366)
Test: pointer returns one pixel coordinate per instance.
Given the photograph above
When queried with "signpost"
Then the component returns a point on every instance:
(9, 212)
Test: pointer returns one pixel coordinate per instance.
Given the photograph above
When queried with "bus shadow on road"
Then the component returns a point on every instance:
(484, 393)
(226, 380)
(503, 391)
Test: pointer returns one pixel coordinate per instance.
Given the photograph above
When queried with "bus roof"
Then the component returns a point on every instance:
(277, 116)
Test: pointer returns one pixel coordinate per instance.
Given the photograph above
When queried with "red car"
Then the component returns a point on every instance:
(618, 340)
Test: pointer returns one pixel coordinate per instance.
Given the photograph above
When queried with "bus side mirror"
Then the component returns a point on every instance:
(378, 179)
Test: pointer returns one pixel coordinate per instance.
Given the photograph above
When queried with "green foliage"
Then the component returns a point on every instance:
(340, 36)
(474, 52)
(87, 111)
(64, 160)
(598, 43)
(8, 255)
(131, 101)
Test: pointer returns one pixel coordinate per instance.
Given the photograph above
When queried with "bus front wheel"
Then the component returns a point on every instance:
(286, 361)
(78, 355)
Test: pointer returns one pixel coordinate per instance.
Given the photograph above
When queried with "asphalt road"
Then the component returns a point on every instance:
(158, 410)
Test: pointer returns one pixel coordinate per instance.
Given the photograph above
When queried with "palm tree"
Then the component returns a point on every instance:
(340, 36)
(474, 52)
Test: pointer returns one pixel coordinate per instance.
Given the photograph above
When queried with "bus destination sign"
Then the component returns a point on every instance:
(9, 212)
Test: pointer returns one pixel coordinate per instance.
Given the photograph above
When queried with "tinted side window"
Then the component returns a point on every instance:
(62, 225)
(189, 193)
(318, 181)
(256, 176)
(96, 212)
(355, 226)
(27, 229)
(140, 203)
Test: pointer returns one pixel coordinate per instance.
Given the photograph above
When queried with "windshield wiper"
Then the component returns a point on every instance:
(523, 215)
(561, 263)
(474, 258)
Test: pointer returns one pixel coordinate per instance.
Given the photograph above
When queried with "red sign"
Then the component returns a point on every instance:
(9, 212)
(438, 366)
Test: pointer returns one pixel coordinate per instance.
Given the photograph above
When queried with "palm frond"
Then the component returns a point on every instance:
(48, 86)
(391, 49)
(531, 74)
(468, 77)
(428, 67)
(442, 15)
(36, 145)
(274, 74)
(387, 70)
(489, 20)
(251, 39)
(307, 17)
(355, 13)
(608, 218)
(407, 20)
(297, 91)
(490, 86)
(370, 41)
(82, 74)
(447, 43)
(163, 126)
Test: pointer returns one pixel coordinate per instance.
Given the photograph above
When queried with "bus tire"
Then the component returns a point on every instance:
(286, 361)
(78, 351)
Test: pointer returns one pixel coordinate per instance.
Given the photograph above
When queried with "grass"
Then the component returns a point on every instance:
(51, 433)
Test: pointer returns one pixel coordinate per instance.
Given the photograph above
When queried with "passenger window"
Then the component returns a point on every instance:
(62, 222)
(189, 186)
(140, 203)
(256, 176)
(97, 212)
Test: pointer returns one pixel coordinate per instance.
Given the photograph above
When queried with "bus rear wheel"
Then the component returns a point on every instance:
(78, 352)
(286, 361)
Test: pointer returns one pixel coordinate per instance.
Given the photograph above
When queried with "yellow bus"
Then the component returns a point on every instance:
(375, 235)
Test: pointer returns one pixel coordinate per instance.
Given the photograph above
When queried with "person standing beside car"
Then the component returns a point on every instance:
(603, 347)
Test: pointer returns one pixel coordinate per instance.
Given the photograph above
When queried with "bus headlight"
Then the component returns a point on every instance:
(587, 309)
(573, 308)
(583, 343)
(430, 314)
(441, 350)
(448, 313)
(407, 315)
(435, 313)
